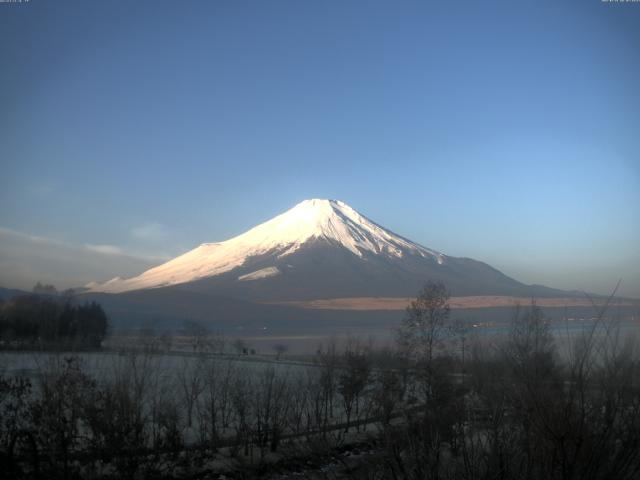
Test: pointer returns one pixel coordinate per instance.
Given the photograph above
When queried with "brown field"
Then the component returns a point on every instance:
(485, 301)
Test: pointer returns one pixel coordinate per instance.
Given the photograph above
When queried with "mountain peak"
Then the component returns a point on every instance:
(330, 221)
(316, 209)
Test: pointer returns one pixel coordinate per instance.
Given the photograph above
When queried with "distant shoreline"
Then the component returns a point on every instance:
(478, 301)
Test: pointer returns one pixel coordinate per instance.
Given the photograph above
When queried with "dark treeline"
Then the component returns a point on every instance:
(443, 404)
(44, 289)
(45, 320)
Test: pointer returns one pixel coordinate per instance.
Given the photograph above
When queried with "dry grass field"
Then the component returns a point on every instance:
(481, 301)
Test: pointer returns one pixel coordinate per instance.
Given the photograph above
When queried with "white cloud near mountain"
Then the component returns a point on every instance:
(150, 232)
(106, 249)
(26, 259)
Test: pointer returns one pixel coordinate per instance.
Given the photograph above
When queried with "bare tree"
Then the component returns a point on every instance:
(299, 403)
(424, 326)
(166, 340)
(216, 406)
(327, 358)
(280, 350)
(58, 413)
(270, 407)
(423, 332)
(217, 341)
(240, 346)
(196, 334)
(459, 330)
(121, 416)
(353, 378)
(240, 399)
(389, 389)
(149, 339)
(191, 385)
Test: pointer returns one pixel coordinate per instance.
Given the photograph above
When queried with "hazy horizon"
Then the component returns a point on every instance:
(86, 263)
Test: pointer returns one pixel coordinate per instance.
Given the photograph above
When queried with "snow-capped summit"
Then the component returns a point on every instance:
(325, 221)
(331, 220)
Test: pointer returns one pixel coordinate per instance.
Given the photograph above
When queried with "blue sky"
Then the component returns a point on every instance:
(505, 131)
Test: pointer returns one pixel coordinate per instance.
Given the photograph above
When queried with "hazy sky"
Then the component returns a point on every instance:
(505, 131)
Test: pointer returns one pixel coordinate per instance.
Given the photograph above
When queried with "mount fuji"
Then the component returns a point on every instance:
(319, 249)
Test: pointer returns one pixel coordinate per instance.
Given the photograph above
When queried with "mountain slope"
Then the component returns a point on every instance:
(320, 249)
(8, 293)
